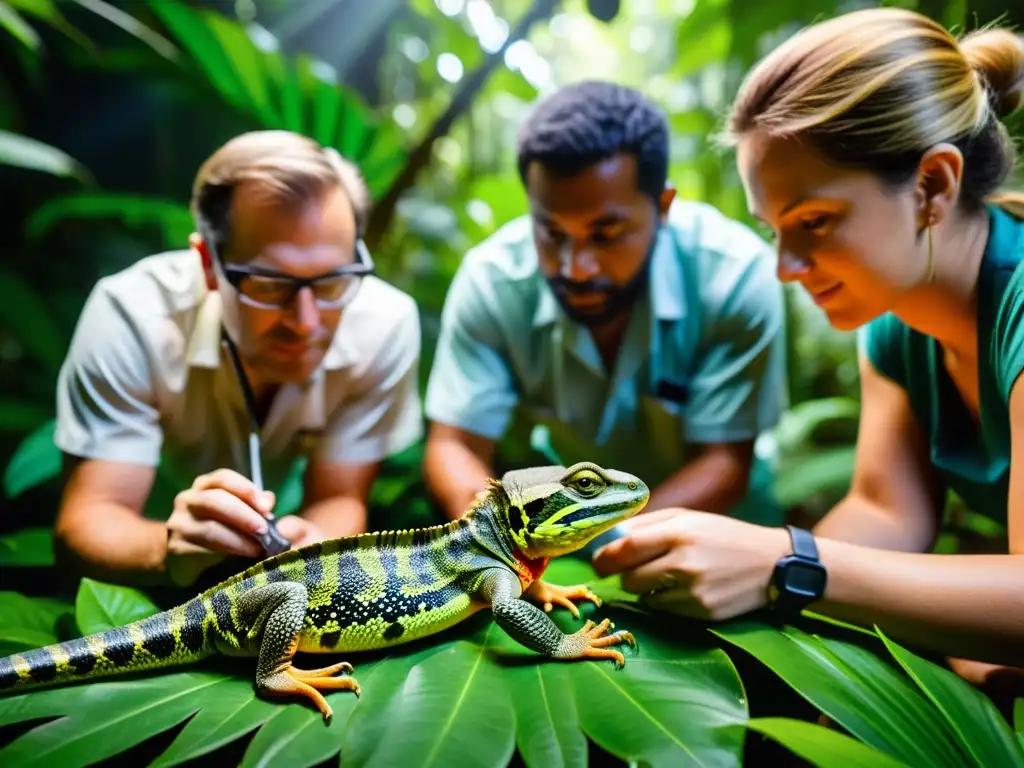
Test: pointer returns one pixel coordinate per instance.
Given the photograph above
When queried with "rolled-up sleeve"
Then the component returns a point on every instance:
(471, 385)
(738, 390)
(106, 402)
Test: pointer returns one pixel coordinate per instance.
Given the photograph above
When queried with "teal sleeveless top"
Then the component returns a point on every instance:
(970, 458)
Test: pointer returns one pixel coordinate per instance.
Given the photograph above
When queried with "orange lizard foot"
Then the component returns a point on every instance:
(299, 682)
(591, 642)
(547, 595)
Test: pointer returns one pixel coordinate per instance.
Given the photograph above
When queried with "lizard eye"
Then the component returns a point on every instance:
(587, 484)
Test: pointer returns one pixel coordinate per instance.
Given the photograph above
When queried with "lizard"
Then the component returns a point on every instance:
(371, 591)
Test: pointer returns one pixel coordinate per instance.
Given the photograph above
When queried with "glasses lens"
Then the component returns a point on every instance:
(264, 290)
(272, 291)
(335, 290)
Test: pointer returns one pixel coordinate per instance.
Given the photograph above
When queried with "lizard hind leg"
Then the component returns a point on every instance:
(281, 608)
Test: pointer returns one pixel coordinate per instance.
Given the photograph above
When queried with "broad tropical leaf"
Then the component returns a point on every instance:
(18, 28)
(28, 622)
(548, 729)
(452, 708)
(983, 733)
(24, 152)
(277, 92)
(821, 746)
(173, 219)
(36, 460)
(29, 547)
(100, 606)
(868, 696)
(471, 693)
(132, 26)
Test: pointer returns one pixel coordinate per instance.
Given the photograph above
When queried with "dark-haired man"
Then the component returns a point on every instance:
(640, 331)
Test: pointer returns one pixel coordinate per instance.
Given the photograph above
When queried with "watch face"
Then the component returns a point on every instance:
(804, 578)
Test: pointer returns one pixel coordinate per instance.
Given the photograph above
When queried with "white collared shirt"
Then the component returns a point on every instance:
(147, 381)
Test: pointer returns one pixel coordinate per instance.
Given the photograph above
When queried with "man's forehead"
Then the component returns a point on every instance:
(600, 194)
(322, 221)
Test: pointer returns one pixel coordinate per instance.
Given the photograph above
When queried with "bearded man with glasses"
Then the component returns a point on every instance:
(271, 328)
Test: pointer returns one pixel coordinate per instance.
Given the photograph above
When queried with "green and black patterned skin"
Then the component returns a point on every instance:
(377, 590)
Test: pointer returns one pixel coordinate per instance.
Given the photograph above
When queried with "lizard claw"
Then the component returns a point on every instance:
(308, 684)
(549, 595)
(592, 642)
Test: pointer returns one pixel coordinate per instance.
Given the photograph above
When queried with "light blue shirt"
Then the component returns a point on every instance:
(508, 360)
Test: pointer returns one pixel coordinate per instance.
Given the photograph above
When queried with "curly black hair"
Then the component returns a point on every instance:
(589, 121)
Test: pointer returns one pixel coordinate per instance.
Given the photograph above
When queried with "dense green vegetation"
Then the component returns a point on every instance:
(107, 109)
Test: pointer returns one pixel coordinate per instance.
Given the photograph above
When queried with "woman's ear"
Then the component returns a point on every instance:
(940, 174)
(199, 246)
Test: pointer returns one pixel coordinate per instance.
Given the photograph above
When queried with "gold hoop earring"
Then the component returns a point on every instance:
(931, 264)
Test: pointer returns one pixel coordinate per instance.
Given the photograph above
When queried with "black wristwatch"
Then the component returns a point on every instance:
(798, 579)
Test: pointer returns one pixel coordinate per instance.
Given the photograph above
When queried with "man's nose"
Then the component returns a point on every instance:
(304, 315)
(578, 263)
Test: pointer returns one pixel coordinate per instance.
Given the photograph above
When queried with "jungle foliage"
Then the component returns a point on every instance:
(106, 109)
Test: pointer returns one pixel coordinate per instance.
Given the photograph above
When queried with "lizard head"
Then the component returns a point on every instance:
(555, 510)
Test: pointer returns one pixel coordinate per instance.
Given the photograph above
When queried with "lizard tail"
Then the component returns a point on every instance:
(173, 637)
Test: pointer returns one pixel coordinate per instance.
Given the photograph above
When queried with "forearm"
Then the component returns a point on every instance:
(713, 482)
(108, 542)
(969, 606)
(454, 476)
(337, 517)
(857, 520)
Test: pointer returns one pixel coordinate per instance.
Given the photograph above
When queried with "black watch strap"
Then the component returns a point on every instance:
(798, 579)
(803, 543)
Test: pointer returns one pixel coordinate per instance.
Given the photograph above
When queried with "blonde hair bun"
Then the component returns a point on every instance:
(998, 57)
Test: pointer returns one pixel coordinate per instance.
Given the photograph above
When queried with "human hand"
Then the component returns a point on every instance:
(300, 531)
(218, 516)
(697, 564)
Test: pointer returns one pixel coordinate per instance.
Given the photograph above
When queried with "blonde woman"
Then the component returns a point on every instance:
(871, 145)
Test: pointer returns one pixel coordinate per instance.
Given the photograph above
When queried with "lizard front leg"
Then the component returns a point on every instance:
(531, 627)
(278, 611)
(549, 595)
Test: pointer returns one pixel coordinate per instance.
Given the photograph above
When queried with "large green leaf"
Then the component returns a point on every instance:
(950, 723)
(18, 28)
(983, 733)
(856, 688)
(173, 219)
(452, 708)
(100, 606)
(278, 92)
(132, 26)
(36, 460)
(1018, 720)
(30, 622)
(25, 152)
(822, 746)
(548, 729)
(27, 547)
(468, 696)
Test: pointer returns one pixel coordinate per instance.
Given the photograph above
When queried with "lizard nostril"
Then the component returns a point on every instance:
(632, 486)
